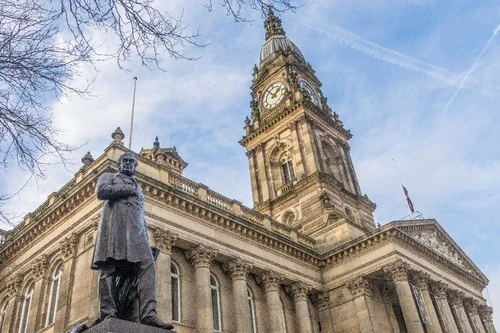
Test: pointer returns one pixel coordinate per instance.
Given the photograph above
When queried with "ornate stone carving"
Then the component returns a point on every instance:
(238, 269)
(456, 298)
(271, 281)
(421, 280)
(321, 300)
(164, 239)
(69, 246)
(39, 267)
(432, 239)
(471, 306)
(439, 289)
(201, 256)
(485, 313)
(14, 285)
(359, 287)
(299, 291)
(398, 271)
(118, 136)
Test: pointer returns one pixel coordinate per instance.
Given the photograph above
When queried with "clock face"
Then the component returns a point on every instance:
(273, 95)
(309, 91)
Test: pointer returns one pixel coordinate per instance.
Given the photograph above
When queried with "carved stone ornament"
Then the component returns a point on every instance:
(398, 271)
(238, 269)
(456, 298)
(14, 285)
(439, 289)
(299, 291)
(201, 256)
(322, 300)
(39, 267)
(485, 313)
(431, 239)
(359, 287)
(421, 280)
(471, 306)
(69, 246)
(271, 281)
(164, 239)
(118, 136)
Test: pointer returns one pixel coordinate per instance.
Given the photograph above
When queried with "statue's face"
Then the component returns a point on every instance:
(127, 165)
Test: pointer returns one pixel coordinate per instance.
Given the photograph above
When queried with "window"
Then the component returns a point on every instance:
(215, 303)
(176, 293)
(25, 308)
(55, 286)
(287, 168)
(3, 315)
(251, 308)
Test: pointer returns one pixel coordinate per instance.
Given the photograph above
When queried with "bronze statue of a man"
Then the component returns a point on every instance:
(122, 248)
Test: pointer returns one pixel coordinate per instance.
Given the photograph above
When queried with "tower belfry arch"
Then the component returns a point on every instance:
(298, 147)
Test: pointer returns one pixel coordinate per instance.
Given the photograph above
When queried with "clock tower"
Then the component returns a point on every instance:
(301, 170)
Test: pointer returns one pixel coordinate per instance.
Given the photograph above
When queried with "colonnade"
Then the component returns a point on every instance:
(450, 311)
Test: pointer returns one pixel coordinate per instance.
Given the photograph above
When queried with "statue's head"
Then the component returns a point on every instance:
(127, 163)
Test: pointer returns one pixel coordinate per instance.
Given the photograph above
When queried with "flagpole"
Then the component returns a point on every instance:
(132, 116)
(405, 191)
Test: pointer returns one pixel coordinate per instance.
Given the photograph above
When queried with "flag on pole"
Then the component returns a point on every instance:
(408, 201)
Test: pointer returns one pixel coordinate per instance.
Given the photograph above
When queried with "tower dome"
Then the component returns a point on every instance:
(276, 40)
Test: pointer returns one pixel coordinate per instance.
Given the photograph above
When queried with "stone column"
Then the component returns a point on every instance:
(68, 248)
(271, 282)
(15, 300)
(360, 288)
(265, 181)
(164, 240)
(456, 300)
(421, 280)
(485, 314)
(473, 315)
(399, 274)
(238, 270)
(299, 293)
(444, 310)
(201, 257)
(322, 302)
(39, 269)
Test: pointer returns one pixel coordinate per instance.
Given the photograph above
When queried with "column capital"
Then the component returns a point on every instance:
(398, 271)
(471, 306)
(69, 246)
(439, 289)
(299, 291)
(421, 280)
(201, 256)
(359, 287)
(14, 286)
(485, 313)
(271, 281)
(238, 269)
(39, 267)
(164, 239)
(456, 298)
(322, 300)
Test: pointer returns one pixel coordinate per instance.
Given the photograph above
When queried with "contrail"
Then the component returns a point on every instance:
(467, 74)
(379, 52)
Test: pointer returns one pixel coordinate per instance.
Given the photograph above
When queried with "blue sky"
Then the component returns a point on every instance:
(415, 81)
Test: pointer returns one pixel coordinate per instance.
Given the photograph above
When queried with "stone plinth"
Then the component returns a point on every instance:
(113, 325)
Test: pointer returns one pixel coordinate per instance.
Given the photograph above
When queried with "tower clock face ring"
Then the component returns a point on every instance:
(273, 95)
(309, 91)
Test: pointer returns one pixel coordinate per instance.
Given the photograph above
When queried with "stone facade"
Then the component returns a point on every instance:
(308, 258)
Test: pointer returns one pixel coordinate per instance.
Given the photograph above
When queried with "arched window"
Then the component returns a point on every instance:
(214, 286)
(251, 308)
(25, 308)
(287, 168)
(176, 292)
(55, 286)
(3, 315)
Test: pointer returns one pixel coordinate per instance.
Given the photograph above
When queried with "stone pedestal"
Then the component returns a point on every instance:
(113, 325)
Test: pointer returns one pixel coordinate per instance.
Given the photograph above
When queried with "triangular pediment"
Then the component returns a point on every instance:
(429, 233)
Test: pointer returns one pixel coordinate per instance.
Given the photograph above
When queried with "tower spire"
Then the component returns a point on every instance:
(273, 25)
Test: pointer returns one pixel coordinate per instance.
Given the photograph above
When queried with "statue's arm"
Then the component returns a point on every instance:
(110, 188)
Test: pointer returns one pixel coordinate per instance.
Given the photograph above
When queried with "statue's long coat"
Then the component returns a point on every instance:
(122, 233)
